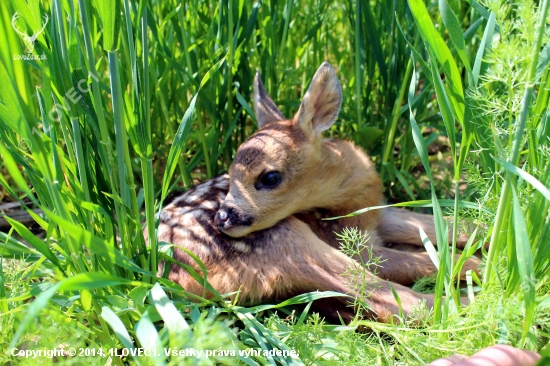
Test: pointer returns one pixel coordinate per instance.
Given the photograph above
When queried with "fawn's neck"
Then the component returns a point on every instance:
(354, 182)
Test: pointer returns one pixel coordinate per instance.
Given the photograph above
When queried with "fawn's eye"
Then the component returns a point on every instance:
(269, 180)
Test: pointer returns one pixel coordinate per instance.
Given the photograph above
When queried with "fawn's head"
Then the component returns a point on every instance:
(279, 170)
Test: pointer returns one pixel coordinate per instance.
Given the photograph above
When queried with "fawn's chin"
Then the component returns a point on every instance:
(236, 231)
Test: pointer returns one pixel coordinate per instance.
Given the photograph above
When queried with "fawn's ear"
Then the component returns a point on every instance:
(266, 111)
(322, 101)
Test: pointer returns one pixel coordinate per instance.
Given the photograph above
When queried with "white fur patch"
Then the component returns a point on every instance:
(222, 185)
(183, 210)
(179, 199)
(202, 189)
(187, 220)
(241, 246)
(208, 205)
(206, 249)
(192, 198)
(222, 182)
(182, 232)
(165, 215)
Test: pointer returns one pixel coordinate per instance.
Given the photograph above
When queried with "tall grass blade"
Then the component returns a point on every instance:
(525, 264)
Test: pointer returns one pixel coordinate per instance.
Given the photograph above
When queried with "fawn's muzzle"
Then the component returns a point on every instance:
(232, 221)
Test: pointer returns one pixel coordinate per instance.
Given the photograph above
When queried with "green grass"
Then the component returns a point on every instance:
(443, 95)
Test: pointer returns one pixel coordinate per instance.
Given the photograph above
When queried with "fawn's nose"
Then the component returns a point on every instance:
(222, 215)
(232, 221)
(225, 217)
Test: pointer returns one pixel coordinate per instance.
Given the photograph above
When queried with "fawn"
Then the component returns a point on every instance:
(259, 229)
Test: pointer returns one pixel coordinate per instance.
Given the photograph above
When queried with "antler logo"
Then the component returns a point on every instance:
(29, 40)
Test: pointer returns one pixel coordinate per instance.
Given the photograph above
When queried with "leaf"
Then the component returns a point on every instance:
(10, 246)
(118, 302)
(173, 320)
(432, 252)
(544, 303)
(435, 43)
(544, 59)
(525, 176)
(244, 104)
(484, 45)
(455, 32)
(525, 263)
(34, 241)
(93, 280)
(467, 252)
(418, 203)
(120, 330)
(470, 286)
(368, 136)
(397, 298)
(138, 295)
(300, 299)
(266, 340)
(482, 11)
(9, 163)
(86, 299)
(148, 338)
(108, 17)
(446, 111)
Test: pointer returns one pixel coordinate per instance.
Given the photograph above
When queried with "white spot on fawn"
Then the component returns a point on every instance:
(222, 185)
(165, 215)
(206, 249)
(202, 189)
(181, 234)
(192, 198)
(241, 246)
(182, 211)
(187, 219)
(208, 205)
(179, 199)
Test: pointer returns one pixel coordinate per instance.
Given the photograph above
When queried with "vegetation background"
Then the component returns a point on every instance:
(122, 103)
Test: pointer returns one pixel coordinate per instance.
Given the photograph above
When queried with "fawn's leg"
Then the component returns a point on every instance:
(301, 262)
(406, 267)
(398, 266)
(401, 226)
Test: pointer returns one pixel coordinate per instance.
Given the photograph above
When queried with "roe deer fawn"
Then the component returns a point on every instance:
(259, 231)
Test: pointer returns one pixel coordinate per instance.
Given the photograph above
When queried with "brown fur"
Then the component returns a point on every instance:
(271, 243)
